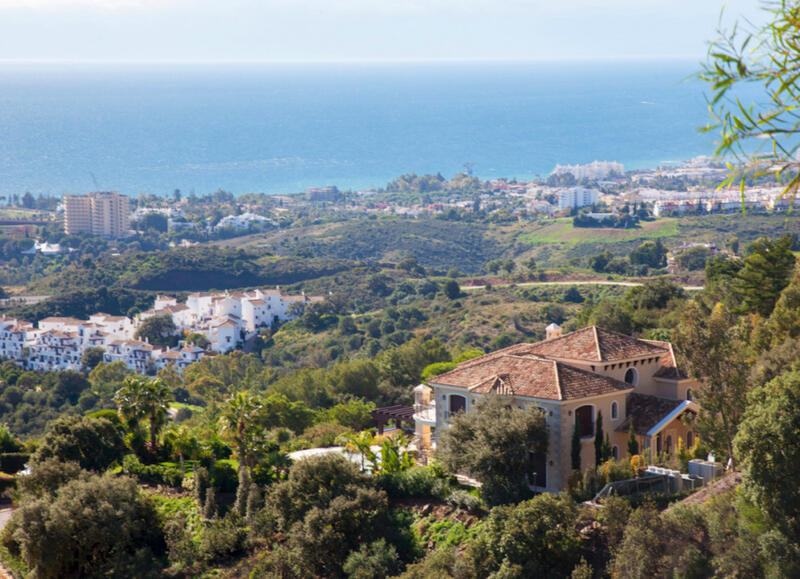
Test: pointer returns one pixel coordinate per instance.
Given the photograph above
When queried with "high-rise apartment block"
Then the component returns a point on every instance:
(105, 214)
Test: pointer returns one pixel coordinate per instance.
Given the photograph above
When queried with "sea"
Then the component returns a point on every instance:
(283, 127)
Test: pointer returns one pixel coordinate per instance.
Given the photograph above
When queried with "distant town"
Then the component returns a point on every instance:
(220, 322)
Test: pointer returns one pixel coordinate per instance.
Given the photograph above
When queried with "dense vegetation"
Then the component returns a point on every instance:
(197, 469)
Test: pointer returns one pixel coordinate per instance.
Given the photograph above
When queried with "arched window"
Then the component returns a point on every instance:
(615, 452)
(632, 377)
(614, 411)
(584, 419)
(689, 394)
(689, 439)
(457, 403)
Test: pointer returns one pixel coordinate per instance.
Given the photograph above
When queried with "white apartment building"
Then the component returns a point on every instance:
(593, 170)
(55, 349)
(137, 355)
(226, 319)
(106, 214)
(181, 359)
(577, 197)
(13, 338)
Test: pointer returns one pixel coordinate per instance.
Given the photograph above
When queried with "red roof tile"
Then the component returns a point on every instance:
(526, 375)
(595, 344)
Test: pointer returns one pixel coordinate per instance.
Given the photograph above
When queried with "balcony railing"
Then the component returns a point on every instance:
(426, 412)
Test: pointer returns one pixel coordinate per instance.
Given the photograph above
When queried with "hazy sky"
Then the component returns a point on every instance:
(359, 29)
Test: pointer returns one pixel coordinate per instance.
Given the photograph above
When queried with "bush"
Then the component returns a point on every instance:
(152, 473)
(224, 477)
(97, 527)
(464, 500)
(416, 482)
(222, 539)
(325, 434)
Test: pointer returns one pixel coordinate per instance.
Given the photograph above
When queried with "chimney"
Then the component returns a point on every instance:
(553, 331)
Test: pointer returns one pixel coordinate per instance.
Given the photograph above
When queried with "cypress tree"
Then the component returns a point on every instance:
(576, 448)
(200, 485)
(210, 506)
(633, 444)
(598, 440)
(254, 503)
(243, 490)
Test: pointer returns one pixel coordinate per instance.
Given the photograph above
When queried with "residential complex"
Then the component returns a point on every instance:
(106, 214)
(227, 320)
(577, 197)
(571, 379)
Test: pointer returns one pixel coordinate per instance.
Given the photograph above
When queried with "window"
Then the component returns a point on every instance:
(584, 419)
(689, 394)
(615, 452)
(614, 411)
(669, 444)
(689, 439)
(537, 469)
(631, 377)
(457, 403)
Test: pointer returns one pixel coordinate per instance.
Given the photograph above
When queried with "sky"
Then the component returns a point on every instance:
(319, 30)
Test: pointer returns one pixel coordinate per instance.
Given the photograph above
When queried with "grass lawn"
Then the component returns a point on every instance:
(191, 407)
(561, 231)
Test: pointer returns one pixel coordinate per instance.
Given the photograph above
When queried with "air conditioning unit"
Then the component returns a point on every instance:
(706, 469)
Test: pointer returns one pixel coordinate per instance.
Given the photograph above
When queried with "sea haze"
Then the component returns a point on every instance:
(279, 128)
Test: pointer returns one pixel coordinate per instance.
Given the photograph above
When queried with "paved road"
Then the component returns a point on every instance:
(25, 300)
(689, 288)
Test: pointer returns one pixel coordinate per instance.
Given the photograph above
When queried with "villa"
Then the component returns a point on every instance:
(571, 379)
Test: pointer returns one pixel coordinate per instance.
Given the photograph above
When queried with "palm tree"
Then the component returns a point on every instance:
(242, 422)
(359, 444)
(144, 398)
(184, 443)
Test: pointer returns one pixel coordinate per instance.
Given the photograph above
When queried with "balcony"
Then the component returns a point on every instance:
(425, 414)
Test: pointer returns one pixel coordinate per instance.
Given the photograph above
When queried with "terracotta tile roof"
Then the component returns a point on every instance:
(530, 376)
(595, 344)
(68, 321)
(646, 411)
(174, 309)
(669, 364)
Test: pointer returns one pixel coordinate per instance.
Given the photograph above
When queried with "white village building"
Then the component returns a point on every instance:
(227, 319)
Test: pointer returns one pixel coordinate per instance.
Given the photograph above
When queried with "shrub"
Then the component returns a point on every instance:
(222, 539)
(325, 434)
(464, 500)
(416, 482)
(152, 473)
(224, 477)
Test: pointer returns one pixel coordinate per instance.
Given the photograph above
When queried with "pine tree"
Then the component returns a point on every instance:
(766, 272)
(633, 444)
(576, 448)
(598, 440)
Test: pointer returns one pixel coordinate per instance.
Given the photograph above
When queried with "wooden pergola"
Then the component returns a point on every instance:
(397, 413)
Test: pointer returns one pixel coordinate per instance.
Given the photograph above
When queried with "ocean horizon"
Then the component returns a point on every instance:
(283, 127)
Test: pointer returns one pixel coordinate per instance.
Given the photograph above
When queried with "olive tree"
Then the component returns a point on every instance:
(494, 444)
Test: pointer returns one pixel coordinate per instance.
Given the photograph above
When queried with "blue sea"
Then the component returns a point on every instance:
(279, 128)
